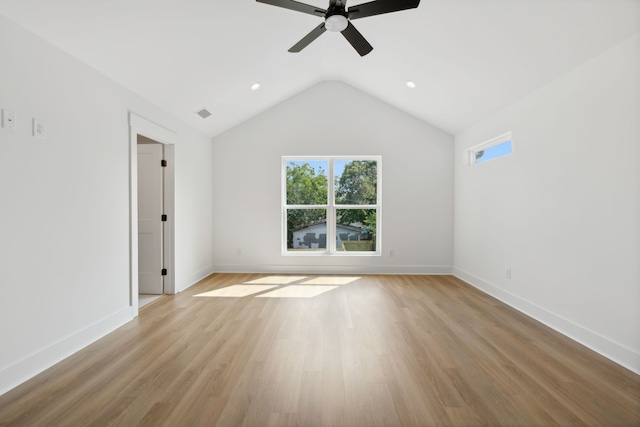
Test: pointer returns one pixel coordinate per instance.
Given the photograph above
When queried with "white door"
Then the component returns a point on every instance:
(150, 225)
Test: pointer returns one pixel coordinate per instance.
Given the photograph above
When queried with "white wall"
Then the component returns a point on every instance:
(64, 215)
(333, 118)
(563, 211)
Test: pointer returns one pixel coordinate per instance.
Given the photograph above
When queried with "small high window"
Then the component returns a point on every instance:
(492, 149)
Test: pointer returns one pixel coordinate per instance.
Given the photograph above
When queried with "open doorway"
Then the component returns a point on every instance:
(151, 218)
(151, 212)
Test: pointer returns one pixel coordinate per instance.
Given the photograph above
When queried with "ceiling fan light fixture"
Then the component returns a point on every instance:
(336, 23)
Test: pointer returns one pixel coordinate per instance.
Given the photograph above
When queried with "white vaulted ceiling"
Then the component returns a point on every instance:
(469, 58)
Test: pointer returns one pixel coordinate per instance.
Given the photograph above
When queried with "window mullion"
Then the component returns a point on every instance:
(357, 206)
(306, 206)
(331, 211)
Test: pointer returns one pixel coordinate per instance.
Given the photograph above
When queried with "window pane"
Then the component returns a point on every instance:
(493, 152)
(307, 182)
(306, 229)
(356, 230)
(356, 182)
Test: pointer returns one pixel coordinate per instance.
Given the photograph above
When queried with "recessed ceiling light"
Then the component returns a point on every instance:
(411, 84)
(255, 86)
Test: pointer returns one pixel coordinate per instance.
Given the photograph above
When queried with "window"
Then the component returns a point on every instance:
(492, 149)
(331, 205)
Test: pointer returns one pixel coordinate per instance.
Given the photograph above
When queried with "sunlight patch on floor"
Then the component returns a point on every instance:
(237, 291)
(330, 280)
(277, 280)
(285, 287)
(297, 291)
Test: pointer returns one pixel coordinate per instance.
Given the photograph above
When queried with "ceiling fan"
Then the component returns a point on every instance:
(338, 19)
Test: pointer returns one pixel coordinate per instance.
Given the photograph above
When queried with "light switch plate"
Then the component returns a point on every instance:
(39, 128)
(9, 120)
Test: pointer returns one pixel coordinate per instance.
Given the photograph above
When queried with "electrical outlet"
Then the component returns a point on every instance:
(392, 253)
(9, 120)
(239, 252)
(507, 273)
(39, 129)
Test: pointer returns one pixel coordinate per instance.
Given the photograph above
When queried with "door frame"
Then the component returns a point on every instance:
(138, 125)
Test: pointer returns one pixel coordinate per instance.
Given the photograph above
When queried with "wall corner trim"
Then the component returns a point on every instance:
(25, 369)
(184, 283)
(439, 270)
(613, 351)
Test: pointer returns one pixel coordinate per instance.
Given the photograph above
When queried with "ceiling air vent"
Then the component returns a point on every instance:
(204, 113)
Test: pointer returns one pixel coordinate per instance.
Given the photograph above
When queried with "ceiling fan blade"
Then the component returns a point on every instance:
(381, 6)
(357, 40)
(297, 6)
(306, 40)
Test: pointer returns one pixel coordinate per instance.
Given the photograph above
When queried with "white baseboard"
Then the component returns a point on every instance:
(613, 351)
(190, 280)
(335, 269)
(19, 372)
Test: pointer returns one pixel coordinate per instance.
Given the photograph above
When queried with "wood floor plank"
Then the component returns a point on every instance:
(369, 351)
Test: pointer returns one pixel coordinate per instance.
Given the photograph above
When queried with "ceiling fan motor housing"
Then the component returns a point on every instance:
(336, 22)
(336, 19)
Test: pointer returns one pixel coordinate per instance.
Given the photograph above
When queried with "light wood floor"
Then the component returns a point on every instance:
(375, 351)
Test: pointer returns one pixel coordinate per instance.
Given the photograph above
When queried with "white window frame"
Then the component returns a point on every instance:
(470, 153)
(331, 206)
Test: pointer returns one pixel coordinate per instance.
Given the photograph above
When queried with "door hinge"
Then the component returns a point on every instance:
(164, 218)
(163, 163)
(164, 271)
